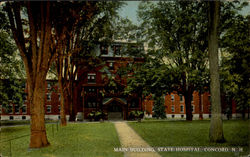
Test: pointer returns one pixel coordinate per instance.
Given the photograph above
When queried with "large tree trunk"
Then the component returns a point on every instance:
(38, 136)
(188, 96)
(72, 111)
(200, 107)
(216, 128)
(62, 103)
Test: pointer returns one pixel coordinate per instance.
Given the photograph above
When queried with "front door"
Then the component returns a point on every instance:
(115, 111)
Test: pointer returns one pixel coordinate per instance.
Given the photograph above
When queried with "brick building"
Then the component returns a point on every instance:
(175, 106)
(99, 87)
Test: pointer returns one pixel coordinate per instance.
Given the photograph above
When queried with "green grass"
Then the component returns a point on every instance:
(74, 140)
(21, 122)
(182, 133)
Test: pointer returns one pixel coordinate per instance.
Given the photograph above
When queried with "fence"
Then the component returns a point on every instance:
(10, 141)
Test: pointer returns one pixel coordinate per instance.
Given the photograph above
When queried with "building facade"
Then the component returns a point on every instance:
(99, 87)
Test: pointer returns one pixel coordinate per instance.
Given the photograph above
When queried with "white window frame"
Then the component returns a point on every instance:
(18, 109)
(172, 97)
(182, 111)
(48, 106)
(172, 108)
(25, 110)
(90, 77)
(12, 109)
(59, 97)
(48, 95)
(181, 96)
(193, 108)
(48, 85)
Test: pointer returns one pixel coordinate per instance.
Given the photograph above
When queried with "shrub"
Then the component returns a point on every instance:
(97, 115)
(136, 115)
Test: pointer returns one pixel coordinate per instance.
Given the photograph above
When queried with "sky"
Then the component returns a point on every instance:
(130, 9)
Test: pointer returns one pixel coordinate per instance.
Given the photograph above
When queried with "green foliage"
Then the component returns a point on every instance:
(11, 69)
(235, 66)
(176, 35)
(136, 114)
(159, 108)
(97, 115)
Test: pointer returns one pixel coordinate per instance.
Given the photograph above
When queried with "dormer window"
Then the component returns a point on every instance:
(91, 78)
(104, 49)
(117, 49)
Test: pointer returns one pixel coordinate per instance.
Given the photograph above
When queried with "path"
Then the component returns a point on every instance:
(130, 139)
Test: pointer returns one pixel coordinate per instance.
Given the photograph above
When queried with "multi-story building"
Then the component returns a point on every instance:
(100, 88)
(201, 106)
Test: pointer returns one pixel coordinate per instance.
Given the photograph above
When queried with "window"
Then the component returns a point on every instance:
(25, 97)
(182, 116)
(172, 97)
(48, 96)
(91, 78)
(48, 108)
(10, 109)
(172, 108)
(59, 97)
(16, 109)
(91, 104)
(111, 65)
(192, 107)
(134, 103)
(209, 98)
(181, 98)
(23, 117)
(24, 109)
(117, 49)
(182, 108)
(104, 49)
(172, 115)
(48, 86)
(59, 108)
(91, 90)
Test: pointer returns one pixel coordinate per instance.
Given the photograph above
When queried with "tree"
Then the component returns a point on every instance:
(77, 49)
(216, 129)
(151, 78)
(11, 66)
(35, 31)
(176, 36)
(234, 65)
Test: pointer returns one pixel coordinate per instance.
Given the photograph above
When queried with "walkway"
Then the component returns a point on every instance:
(130, 139)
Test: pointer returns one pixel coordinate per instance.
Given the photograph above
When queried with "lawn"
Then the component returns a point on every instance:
(182, 133)
(74, 140)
